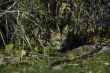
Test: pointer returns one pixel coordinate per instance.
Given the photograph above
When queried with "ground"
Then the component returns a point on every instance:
(98, 63)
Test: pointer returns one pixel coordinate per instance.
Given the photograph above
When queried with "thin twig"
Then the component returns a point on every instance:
(2, 38)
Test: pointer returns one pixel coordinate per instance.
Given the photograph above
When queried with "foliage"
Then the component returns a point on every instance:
(33, 30)
(34, 24)
(99, 63)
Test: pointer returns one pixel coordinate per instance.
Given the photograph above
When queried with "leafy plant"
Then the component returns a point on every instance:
(20, 53)
(9, 48)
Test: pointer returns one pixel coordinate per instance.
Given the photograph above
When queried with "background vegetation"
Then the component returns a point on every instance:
(32, 30)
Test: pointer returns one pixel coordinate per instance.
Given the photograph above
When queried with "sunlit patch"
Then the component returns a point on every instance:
(59, 67)
(65, 6)
(106, 63)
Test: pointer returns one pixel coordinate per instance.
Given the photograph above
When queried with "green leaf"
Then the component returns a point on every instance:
(36, 49)
(9, 48)
(55, 47)
(23, 52)
(20, 53)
